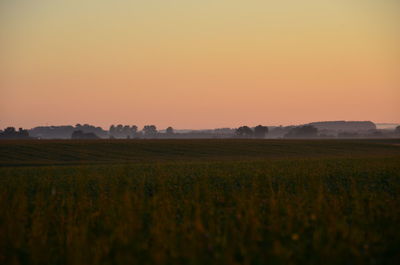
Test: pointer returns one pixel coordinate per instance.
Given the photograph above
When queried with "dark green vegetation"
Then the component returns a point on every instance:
(200, 202)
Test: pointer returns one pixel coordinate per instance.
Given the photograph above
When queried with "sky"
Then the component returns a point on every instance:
(198, 64)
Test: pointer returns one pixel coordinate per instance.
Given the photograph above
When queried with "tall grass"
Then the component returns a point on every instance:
(268, 211)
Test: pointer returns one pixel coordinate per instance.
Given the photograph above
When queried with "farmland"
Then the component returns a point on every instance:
(200, 202)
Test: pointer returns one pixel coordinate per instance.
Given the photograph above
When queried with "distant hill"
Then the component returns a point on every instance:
(389, 126)
(344, 126)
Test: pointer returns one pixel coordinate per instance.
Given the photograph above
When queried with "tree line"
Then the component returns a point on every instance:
(12, 133)
(127, 131)
(120, 131)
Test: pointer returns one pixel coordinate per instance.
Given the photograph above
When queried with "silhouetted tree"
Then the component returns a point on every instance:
(79, 134)
(9, 130)
(123, 131)
(169, 131)
(306, 131)
(131, 131)
(260, 131)
(23, 133)
(150, 130)
(112, 130)
(126, 131)
(244, 131)
(119, 129)
(11, 133)
(397, 130)
(134, 129)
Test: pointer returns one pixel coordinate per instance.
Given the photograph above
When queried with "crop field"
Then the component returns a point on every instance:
(200, 202)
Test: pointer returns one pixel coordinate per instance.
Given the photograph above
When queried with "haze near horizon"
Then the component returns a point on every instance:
(198, 64)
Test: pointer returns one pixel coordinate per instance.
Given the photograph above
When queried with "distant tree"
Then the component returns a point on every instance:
(133, 130)
(169, 131)
(244, 131)
(260, 131)
(397, 130)
(150, 130)
(11, 133)
(123, 131)
(79, 134)
(9, 130)
(119, 128)
(126, 131)
(23, 133)
(118, 131)
(306, 131)
(112, 130)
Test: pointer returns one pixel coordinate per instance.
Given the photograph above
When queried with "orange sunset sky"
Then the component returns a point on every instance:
(198, 64)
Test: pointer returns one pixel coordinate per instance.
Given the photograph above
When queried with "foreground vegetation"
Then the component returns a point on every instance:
(200, 202)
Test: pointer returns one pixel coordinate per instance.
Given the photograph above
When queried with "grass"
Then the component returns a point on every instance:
(200, 202)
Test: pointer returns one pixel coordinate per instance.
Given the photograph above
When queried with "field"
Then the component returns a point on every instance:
(200, 202)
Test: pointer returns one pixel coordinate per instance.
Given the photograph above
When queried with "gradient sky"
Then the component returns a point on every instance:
(198, 64)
